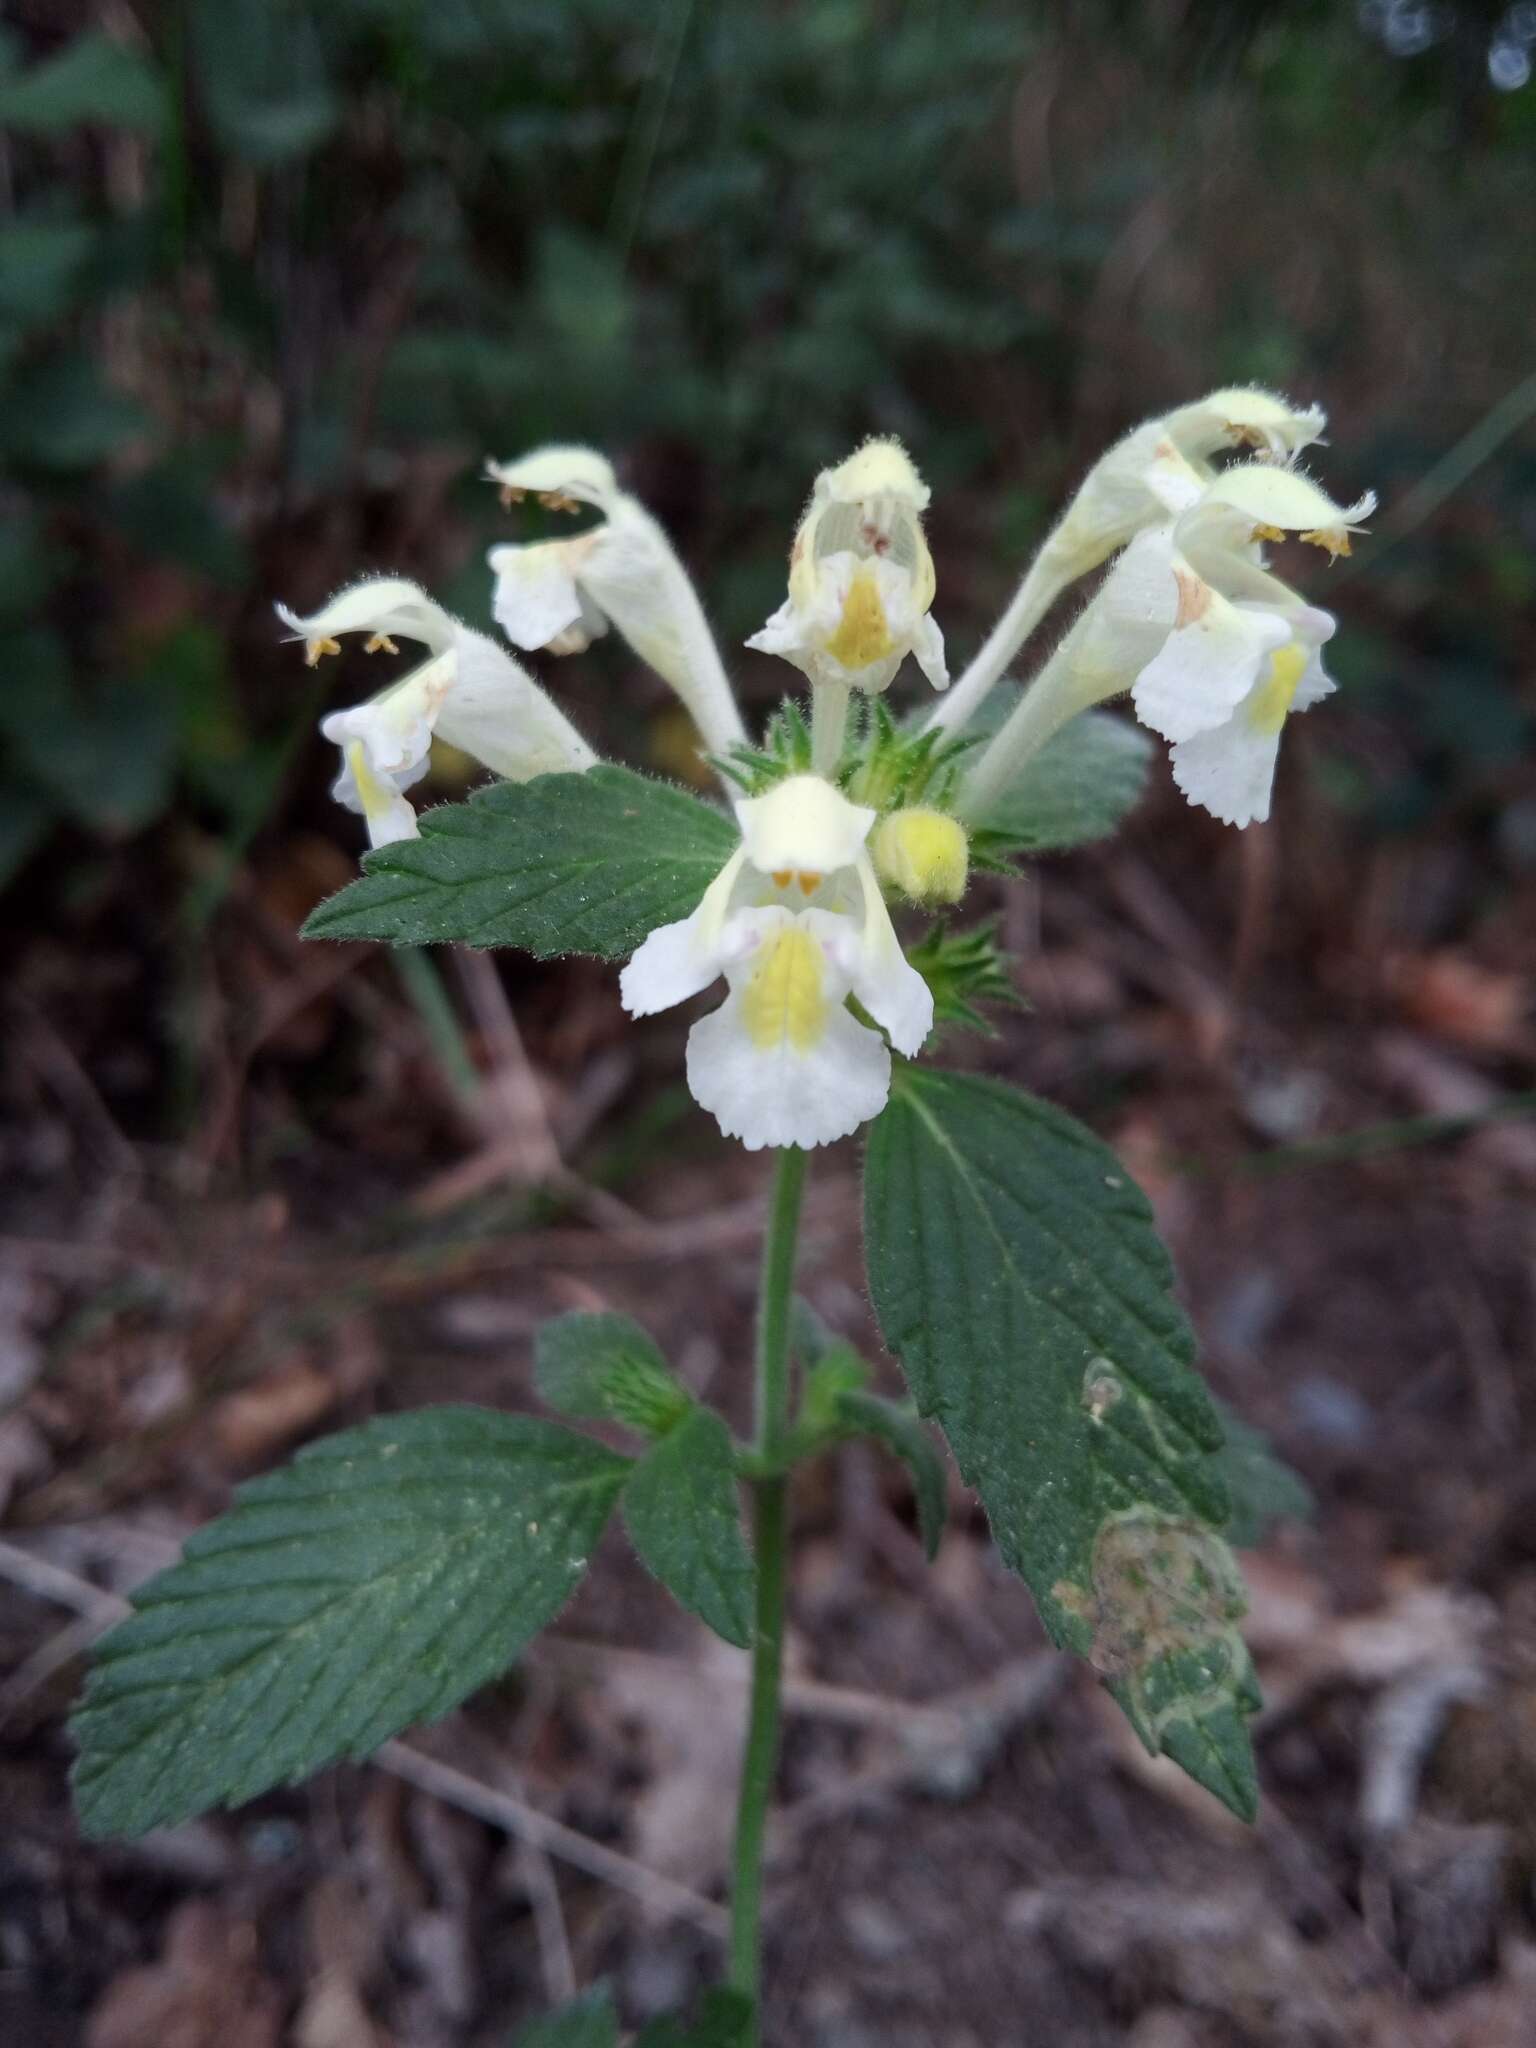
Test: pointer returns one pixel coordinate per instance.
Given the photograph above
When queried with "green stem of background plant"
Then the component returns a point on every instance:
(770, 1529)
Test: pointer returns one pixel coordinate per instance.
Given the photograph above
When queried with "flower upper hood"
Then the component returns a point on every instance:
(1163, 467)
(1243, 417)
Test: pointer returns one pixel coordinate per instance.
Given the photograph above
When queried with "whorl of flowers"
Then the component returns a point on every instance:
(841, 813)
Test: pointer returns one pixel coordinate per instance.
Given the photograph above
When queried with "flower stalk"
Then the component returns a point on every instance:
(770, 1536)
(1043, 583)
(1060, 691)
(829, 726)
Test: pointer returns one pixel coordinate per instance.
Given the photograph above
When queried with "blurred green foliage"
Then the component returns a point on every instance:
(275, 274)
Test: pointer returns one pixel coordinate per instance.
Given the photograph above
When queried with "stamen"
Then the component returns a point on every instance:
(809, 882)
(510, 495)
(1262, 532)
(559, 501)
(1334, 539)
(321, 645)
(377, 642)
(781, 877)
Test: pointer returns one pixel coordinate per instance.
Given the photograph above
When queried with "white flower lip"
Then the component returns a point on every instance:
(782, 1061)
(1229, 770)
(795, 922)
(539, 601)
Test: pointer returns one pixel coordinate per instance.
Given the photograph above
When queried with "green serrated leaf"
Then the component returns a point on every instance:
(588, 2022)
(1169, 1597)
(606, 1368)
(1263, 1489)
(1078, 788)
(563, 864)
(724, 2020)
(376, 1581)
(683, 1513)
(1017, 1276)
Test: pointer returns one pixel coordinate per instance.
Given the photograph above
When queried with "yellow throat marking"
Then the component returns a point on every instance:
(1272, 699)
(863, 633)
(376, 796)
(785, 1000)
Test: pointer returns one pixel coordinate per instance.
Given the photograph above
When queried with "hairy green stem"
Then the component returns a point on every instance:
(770, 1529)
(1042, 585)
(1062, 689)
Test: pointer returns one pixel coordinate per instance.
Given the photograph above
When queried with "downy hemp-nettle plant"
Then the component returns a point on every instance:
(392, 1569)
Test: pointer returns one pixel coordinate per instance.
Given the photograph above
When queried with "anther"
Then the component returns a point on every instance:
(1335, 541)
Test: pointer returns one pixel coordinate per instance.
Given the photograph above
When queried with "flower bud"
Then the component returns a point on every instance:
(645, 1396)
(922, 853)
